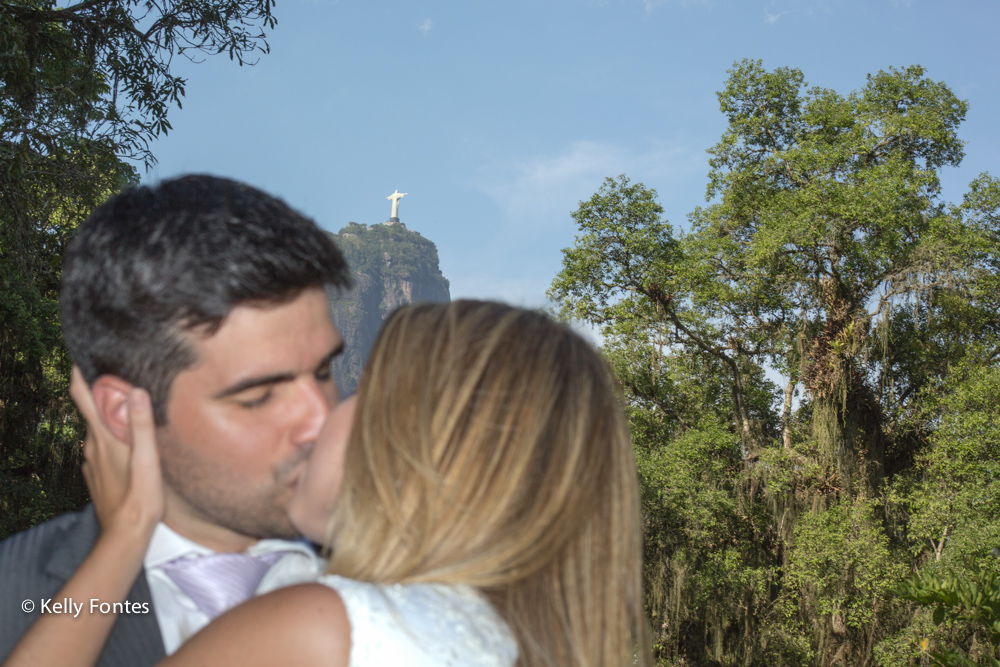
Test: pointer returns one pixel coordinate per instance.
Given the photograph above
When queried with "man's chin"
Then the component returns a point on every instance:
(274, 529)
(200, 508)
(262, 524)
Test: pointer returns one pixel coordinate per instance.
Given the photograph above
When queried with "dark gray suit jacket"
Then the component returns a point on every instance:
(36, 563)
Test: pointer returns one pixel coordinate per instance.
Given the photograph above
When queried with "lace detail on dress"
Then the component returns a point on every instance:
(423, 624)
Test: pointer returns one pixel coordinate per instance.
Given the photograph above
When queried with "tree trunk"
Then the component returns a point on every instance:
(786, 413)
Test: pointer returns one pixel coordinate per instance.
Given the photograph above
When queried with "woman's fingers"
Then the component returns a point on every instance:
(100, 440)
(120, 476)
(84, 400)
(145, 480)
(140, 418)
(111, 469)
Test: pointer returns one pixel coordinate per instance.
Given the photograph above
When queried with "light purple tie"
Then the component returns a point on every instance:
(218, 582)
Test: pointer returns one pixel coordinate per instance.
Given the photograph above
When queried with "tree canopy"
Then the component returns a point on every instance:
(786, 350)
(85, 89)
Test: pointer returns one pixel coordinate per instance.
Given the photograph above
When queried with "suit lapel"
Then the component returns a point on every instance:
(74, 546)
(135, 638)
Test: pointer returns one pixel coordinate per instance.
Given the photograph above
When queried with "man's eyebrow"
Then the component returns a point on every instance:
(253, 382)
(250, 383)
(334, 353)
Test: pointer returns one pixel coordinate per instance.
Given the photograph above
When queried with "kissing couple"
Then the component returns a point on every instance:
(476, 501)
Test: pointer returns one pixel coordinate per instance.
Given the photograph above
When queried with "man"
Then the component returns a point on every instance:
(210, 295)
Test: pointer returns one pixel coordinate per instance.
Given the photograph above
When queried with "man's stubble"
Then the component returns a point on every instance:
(218, 495)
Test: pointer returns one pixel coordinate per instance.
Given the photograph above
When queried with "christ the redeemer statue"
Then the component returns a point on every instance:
(395, 197)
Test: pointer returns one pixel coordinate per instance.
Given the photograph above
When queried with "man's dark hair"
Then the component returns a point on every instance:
(154, 262)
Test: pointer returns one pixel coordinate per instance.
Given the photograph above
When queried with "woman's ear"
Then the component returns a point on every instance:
(110, 394)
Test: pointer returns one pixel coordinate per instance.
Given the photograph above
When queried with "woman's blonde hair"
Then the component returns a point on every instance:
(490, 449)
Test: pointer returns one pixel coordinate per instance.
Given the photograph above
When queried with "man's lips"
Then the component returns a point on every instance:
(296, 476)
(291, 471)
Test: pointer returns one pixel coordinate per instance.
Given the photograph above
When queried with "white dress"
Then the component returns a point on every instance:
(418, 625)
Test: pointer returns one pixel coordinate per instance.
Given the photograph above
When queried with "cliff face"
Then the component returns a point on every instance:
(391, 266)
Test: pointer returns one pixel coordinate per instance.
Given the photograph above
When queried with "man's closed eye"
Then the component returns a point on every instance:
(258, 401)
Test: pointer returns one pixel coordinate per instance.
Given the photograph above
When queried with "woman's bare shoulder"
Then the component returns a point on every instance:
(303, 625)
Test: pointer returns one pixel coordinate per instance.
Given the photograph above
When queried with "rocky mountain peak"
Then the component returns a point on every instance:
(391, 266)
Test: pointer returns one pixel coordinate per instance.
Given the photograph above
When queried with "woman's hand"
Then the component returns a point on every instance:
(124, 479)
(127, 490)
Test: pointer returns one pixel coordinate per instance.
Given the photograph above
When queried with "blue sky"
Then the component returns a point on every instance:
(499, 117)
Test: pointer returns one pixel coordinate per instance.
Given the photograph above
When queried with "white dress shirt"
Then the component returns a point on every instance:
(177, 614)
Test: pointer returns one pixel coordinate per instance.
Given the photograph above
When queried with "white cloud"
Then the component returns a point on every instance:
(425, 26)
(534, 197)
(772, 18)
(544, 189)
(491, 282)
(515, 290)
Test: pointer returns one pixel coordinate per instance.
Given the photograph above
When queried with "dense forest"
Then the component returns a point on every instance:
(84, 90)
(811, 375)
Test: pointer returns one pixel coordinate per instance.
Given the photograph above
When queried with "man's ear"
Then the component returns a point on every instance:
(111, 398)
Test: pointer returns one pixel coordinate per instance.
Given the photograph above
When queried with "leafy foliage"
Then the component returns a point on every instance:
(389, 249)
(974, 601)
(99, 70)
(39, 426)
(826, 258)
(83, 87)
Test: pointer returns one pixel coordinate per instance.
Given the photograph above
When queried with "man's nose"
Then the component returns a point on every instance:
(315, 401)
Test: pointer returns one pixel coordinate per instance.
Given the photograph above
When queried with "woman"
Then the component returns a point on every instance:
(479, 499)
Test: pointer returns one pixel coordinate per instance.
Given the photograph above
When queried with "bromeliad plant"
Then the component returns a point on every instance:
(956, 598)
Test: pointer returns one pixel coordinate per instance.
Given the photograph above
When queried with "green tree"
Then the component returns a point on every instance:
(970, 601)
(953, 529)
(84, 87)
(39, 428)
(825, 254)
